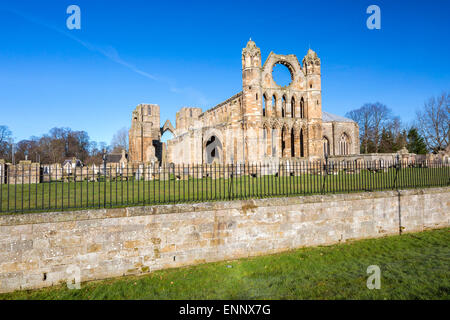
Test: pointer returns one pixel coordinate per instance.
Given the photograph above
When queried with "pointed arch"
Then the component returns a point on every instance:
(283, 141)
(292, 140)
(274, 105)
(292, 107)
(264, 105)
(344, 144)
(301, 144)
(302, 108)
(283, 107)
(168, 127)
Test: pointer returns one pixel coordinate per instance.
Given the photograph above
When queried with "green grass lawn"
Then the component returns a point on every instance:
(413, 266)
(83, 194)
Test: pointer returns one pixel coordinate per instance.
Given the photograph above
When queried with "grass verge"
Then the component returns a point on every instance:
(413, 266)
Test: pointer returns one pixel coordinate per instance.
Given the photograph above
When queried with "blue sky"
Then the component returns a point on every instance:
(188, 53)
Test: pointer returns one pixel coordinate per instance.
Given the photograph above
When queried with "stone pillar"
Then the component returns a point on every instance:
(269, 107)
(280, 141)
(279, 106)
(287, 143)
(297, 142)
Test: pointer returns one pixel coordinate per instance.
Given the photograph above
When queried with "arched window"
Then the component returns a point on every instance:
(265, 141)
(302, 150)
(292, 143)
(190, 113)
(274, 104)
(264, 108)
(326, 147)
(273, 110)
(292, 107)
(283, 107)
(344, 144)
(149, 111)
(283, 141)
(302, 108)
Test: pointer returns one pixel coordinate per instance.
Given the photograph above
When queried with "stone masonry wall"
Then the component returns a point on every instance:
(37, 249)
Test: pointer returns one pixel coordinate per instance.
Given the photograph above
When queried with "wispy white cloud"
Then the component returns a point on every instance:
(112, 54)
(192, 93)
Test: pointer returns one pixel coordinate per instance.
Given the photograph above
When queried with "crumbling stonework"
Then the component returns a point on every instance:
(144, 135)
(263, 122)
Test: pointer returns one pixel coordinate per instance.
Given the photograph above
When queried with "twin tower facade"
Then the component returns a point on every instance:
(263, 122)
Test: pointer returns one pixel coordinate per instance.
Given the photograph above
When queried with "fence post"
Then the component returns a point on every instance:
(326, 174)
(397, 170)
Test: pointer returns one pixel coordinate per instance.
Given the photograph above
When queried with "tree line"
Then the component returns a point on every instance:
(58, 145)
(380, 131)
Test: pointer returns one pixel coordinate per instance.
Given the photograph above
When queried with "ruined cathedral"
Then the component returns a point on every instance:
(263, 122)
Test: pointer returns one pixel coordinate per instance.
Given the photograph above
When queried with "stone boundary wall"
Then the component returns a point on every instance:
(36, 249)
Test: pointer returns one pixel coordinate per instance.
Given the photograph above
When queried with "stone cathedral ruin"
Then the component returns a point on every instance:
(264, 122)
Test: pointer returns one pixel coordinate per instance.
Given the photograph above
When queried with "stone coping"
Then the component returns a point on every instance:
(92, 214)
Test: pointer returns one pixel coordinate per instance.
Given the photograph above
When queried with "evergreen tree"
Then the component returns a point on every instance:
(386, 142)
(416, 143)
(400, 141)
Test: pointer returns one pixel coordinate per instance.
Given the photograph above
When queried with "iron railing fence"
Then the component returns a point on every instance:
(44, 188)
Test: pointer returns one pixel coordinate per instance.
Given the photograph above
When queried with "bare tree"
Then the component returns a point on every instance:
(5, 134)
(362, 117)
(56, 146)
(371, 119)
(119, 141)
(380, 117)
(5, 142)
(433, 122)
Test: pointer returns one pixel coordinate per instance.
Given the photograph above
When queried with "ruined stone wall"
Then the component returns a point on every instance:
(36, 249)
(223, 113)
(186, 148)
(144, 135)
(223, 121)
(187, 118)
(263, 120)
(333, 132)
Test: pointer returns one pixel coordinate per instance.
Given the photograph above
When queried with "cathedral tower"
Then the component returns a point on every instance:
(251, 100)
(311, 69)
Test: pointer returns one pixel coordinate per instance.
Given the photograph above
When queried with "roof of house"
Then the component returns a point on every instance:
(113, 157)
(329, 117)
(70, 161)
